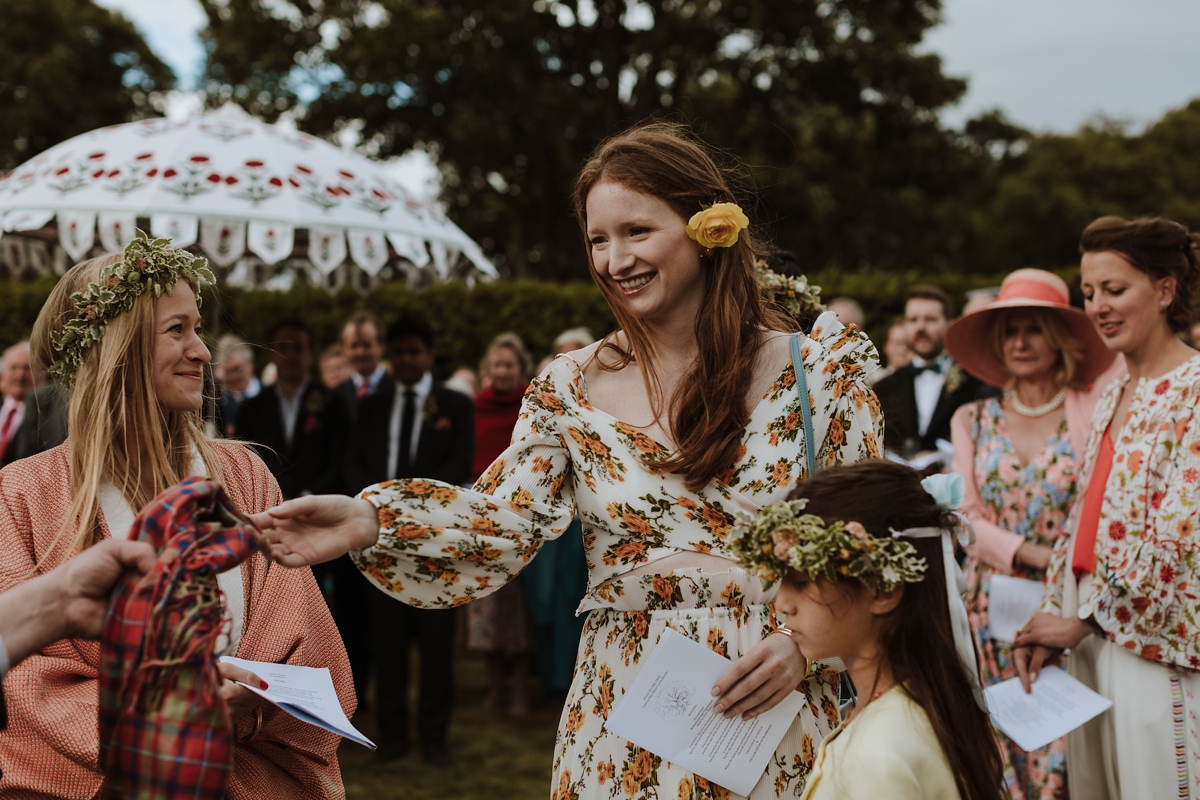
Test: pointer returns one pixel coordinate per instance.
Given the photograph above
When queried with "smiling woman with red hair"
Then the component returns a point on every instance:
(135, 362)
(656, 435)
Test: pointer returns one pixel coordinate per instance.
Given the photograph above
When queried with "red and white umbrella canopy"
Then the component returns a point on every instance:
(231, 183)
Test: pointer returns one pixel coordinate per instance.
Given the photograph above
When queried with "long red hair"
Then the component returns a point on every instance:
(708, 412)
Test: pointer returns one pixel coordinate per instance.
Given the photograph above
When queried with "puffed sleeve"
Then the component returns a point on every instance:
(442, 546)
(993, 545)
(847, 418)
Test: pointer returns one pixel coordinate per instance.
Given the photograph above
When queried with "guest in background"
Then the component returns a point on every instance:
(16, 379)
(234, 369)
(335, 369)
(848, 311)
(348, 595)
(569, 340)
(1124, 593)
(300, 427)
(555, 582)
(463, 381)
(980, 298)
(918, 400)
(1020, 458)
(44, 425)
(896, 351)
(297, 426)
(499, 625)
(362, 347)
(412, 426)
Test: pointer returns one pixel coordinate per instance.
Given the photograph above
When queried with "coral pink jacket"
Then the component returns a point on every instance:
(52, 744)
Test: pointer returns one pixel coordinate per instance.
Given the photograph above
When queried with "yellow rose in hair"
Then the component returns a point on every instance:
(718, 225)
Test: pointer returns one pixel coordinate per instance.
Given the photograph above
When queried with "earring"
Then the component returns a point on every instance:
(1163, 305)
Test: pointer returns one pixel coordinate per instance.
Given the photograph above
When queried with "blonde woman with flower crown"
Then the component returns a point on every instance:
(124, 331)
(656, 435)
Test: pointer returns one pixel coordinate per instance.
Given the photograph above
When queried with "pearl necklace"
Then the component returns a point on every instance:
(1037, 411)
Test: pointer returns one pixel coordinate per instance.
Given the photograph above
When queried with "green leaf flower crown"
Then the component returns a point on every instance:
(782, 537)
(146, 266)
(796, 295)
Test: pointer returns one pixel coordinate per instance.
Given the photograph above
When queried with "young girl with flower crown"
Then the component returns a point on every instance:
(875, 584)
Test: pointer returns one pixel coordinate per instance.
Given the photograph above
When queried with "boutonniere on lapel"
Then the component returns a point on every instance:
(954, 378)
(314, 404)
(429, 414)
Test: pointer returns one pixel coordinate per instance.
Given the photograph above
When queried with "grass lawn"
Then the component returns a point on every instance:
(494, 755)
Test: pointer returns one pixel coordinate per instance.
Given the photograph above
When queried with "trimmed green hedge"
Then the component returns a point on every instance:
(466, 319)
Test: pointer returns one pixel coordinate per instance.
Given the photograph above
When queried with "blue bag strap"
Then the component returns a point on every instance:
(810, 447)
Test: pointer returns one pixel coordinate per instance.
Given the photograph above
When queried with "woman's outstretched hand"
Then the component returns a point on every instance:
(318, 528)
(760, 679)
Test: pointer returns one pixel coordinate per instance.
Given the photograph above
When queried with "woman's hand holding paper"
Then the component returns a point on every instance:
(760, 679)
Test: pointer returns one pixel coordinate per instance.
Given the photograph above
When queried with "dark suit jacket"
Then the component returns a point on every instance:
(345, 390)
(44, 425)
(445, 445)
(313, 463)
(898, 399)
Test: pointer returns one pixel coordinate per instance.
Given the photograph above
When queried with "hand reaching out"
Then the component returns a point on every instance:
(317, 528)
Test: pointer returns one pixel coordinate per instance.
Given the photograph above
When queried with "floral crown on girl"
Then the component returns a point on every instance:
(782, 537)
(146, 266)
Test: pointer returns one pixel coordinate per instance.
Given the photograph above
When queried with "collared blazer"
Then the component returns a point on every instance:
(445, 446)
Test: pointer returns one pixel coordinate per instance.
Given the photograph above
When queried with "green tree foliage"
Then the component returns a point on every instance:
(1047, 195)
(828, 102)
(67, 67)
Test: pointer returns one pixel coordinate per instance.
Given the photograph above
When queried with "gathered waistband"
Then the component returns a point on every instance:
(680, 589)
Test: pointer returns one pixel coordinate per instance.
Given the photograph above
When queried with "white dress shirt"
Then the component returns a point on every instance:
(372, 380)
(423, 387)
(927, 386)
(289, 410)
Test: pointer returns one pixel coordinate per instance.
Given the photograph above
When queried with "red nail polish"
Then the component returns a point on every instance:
(262, 684)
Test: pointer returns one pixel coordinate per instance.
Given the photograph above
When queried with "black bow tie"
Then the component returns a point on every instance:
(934, 367)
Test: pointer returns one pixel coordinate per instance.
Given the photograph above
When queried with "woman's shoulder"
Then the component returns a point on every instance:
(34, 474)
(841, 350)
(246, 477)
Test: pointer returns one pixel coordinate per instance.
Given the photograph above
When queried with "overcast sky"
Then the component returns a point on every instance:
(1048, 64)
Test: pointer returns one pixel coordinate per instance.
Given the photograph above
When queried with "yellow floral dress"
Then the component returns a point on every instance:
(441, 546)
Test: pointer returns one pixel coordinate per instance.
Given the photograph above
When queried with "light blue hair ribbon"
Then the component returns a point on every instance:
(946, 488)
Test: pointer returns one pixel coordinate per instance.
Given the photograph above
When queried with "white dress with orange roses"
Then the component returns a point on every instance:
(440, 546)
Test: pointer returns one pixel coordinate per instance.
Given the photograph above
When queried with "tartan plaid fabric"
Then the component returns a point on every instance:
(164, 729)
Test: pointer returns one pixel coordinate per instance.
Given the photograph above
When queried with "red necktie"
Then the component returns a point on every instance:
(6, 427)
(363, 389)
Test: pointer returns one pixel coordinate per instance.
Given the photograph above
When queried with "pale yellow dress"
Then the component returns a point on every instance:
(886, 750)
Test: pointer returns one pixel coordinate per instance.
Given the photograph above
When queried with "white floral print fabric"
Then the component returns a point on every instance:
(441, 546)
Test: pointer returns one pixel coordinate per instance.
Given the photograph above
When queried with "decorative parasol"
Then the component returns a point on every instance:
(233, 184)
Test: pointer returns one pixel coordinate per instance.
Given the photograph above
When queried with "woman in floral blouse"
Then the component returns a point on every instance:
(1124, 593)
(1019, 456)
(656, 434)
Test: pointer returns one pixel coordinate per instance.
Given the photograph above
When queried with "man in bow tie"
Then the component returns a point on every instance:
(919, 400)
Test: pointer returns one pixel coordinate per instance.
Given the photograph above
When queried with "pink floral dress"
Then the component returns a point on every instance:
(1033, 500)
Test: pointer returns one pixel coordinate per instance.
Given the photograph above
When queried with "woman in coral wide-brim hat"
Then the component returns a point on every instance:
(1020, 456)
